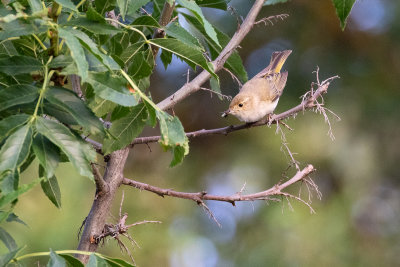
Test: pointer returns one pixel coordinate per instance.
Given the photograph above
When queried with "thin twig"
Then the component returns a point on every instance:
(200, 197)
(272, 19)
(227, 97)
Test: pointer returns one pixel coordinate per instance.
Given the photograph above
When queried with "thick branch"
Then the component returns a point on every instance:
(199, 197)
(95, 221)
(218, 63)
(308, 103)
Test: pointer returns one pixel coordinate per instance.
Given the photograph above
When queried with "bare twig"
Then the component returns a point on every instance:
(272, 19)
(227, 97)
(118, 229)
(200, 197)
(234, 77)
(218, 63)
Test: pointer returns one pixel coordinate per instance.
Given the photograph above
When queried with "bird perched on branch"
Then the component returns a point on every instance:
(259, 96)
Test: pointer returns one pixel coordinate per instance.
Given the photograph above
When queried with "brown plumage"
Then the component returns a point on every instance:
(260, 95)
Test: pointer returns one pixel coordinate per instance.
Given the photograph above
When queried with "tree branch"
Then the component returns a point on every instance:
(101, 186)
(218, 63)
(95, 221)
(308, 102)
(199, 197)
(165, 18)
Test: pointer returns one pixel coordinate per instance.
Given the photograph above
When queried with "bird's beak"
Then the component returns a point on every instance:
(226, 113)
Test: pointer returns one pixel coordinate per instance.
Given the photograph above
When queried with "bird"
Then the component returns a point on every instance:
(259, 96)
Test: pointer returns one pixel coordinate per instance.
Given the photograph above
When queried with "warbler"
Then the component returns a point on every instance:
(260, 95)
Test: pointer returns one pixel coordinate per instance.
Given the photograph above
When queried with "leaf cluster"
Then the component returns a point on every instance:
(47, 45)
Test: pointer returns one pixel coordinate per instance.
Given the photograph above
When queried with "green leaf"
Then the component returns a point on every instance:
(95, 27)
(96, 261)
(77, 52)
(117, 262)
(7, 239)
(11, 217)
(343, 9)
(13, 195)
(173, 137)
(35, 5)
(166, 58)
(68, 101)
(17, 95)
(7, 47)
(126, 129)
(47, 153)
(51, 188)
(72, 261)
(119, 112)
(67, 4)
(139, 67)
(22, 27)
(131, 51)
(56, 260)
(6, 258)
(61, 61)
(93, 15)
(10, 123)
(90, 45)
(28, 161)
(112, 88)
(234, 62)
(273, 2)
(79, 153)
(145, 21)
(10, 181)
(184, 51)
(103, 6)
(19, 64)
(196, 10)
(58, 113)
(123, 7)
(14, 151)
(214, 84)
(133, 6)
(152, 121)
(101, 107)
(173, 29)
(218, 4)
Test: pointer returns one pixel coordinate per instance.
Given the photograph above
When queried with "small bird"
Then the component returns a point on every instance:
(259, 96)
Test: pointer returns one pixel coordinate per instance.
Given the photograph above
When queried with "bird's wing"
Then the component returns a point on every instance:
(277, 83)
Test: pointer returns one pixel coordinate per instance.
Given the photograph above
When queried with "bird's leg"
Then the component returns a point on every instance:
(270, 120)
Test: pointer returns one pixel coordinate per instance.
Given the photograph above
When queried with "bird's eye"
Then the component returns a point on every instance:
(240, 105)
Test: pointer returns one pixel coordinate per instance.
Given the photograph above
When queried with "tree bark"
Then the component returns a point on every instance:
(100, 210)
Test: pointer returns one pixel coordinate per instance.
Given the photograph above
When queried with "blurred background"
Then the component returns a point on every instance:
(357, 222)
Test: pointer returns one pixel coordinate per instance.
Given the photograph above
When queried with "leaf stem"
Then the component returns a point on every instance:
(40, 42)
(47, 77)
(142, 95)
(128, 27)
(39, 254)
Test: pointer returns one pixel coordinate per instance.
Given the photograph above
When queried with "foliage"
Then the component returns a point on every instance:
(43, 44)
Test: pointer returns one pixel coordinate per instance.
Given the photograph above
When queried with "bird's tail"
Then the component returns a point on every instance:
(277, 61)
